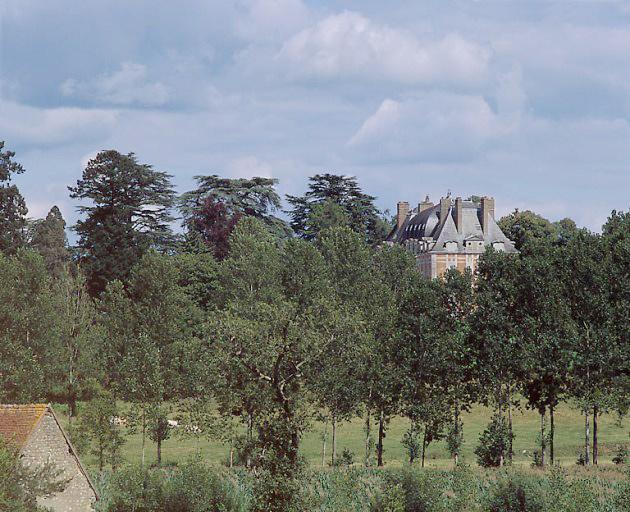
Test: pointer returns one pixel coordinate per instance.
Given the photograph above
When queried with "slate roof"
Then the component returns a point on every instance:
(427, 225)
(18, 421)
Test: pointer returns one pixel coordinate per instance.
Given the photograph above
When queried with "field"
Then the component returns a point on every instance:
(569, 438)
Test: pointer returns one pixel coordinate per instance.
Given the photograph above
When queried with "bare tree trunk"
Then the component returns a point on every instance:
(381, 436)
(334, 440)
(424, 445)
(456, 430)
(595, 447)
(509, 411)
(144, 433)
(231, 455)
(250, 428)
(552, 433)
(543, 444)
(159, 451)
(367, 438)
(587, 441)
(324, 436)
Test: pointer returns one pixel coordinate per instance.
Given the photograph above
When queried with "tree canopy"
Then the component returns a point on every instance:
(130, 213)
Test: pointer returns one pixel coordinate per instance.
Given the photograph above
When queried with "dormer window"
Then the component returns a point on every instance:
(498, 246)
(450, 246)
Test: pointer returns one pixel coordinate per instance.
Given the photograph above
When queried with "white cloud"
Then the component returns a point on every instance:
(430, 127)
(348, 44)
(248, 167)
(44, 126)
(127, 86)
(271, 19)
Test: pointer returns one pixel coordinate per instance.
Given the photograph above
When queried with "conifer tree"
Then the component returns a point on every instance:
(12, 205)
(48, 238)
(130, 213)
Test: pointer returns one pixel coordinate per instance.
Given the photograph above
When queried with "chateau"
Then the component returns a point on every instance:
(449, 234)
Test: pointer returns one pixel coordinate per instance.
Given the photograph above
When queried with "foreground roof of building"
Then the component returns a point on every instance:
(17, 422)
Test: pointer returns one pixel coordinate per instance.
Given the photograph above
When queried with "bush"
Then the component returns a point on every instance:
(494, 443)
(191, 487)
(515, 494)
(621, 455)
(391, 500)
(581, 459)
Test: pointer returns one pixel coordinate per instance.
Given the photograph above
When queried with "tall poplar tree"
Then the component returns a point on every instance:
(12, 205)
(130, 213)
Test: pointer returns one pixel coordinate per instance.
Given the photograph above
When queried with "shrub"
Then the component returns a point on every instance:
(494, 443)
(347, 457)
(621, 455)
(191, 487)
(391, 500)
(581, 459)
(515, 493)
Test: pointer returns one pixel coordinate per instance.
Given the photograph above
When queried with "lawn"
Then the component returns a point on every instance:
(569, 439)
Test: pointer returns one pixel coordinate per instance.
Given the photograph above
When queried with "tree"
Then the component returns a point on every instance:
(29, 328)
(526, 226)
(495, 333)
(323, 189)
(151, 337)
(130, 214)
(12, 205)
(271, 338)
(351, 274)
(159, 429)
(48, 237)
(96, 425)
(599, 349)
(544, 321)
(80, 338)
(494, 443)
(255, 197)
(214, 224)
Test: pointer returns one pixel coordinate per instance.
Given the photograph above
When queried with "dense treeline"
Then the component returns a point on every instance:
(256, 327)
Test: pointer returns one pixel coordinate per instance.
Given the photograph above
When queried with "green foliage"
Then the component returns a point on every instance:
(191, 487)
(130, 214)
(48, 237)
(494, 443)
(21, 485)
(412, 442)
(12, 206)
(241, 197)
(515, 494)
(621, 455)
(96, 425)
(314, 211)
(29, 328)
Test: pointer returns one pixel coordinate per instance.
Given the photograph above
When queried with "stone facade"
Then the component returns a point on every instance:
(449, 234)
(48, 442)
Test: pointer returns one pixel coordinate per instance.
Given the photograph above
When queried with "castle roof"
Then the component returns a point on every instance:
(425, 224)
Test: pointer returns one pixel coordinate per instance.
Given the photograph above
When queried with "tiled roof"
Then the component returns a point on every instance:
(18, 421)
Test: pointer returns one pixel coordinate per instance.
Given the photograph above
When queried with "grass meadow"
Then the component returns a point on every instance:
(568, 440)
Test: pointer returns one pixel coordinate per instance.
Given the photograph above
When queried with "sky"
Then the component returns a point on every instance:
(525, 101)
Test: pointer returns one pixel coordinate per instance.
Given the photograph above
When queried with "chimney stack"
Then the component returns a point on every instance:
(487, 212)
(425, 205)
(445, 204)
(403, 211)
(459, 214)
